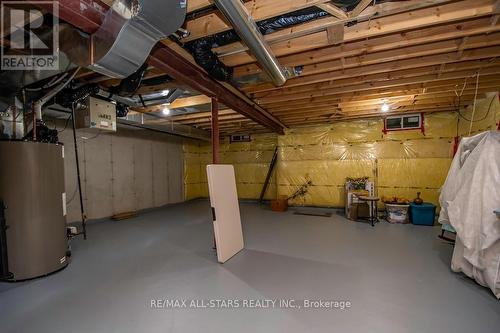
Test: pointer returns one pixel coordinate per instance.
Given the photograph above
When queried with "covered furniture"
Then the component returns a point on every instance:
(469, 197)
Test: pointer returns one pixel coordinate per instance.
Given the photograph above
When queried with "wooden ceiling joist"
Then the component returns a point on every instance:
(333, 10)
(258, 9)
(194, 5)
(470, 58)
(370, 82)
(360, 7)
(173, 64)
(448, 13)
(450, 97)
(413, 55)
(383, 43)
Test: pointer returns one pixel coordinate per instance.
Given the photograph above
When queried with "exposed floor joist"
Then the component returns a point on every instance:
(413, 55)
(173, 64)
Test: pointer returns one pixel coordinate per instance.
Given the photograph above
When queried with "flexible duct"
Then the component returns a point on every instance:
(201, 49)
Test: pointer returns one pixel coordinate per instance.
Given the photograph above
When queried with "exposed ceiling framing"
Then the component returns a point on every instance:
(89, 17)
(413, 55)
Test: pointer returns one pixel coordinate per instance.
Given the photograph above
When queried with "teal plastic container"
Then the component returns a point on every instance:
(423, 214)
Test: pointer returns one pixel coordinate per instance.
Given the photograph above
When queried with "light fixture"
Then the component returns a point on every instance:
(166, 111)
(165, 92)
(385, 107)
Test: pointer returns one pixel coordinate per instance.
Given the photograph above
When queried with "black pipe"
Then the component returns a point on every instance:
(84, 230)
(129, 85)
(268, 176)
(4, 258)
(69, 96)
(154, 81)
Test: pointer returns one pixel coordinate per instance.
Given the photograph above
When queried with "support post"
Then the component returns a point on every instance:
(215, 142)
(215, 131)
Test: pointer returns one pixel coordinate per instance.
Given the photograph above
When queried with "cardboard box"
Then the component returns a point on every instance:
(359, 210)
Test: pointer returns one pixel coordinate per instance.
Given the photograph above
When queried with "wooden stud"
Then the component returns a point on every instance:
(360, 7)
(335, 34)
(333, 10)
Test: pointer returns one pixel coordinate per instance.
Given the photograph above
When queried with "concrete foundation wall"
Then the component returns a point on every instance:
(120, 172)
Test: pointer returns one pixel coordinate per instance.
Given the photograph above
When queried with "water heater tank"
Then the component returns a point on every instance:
(32, 189)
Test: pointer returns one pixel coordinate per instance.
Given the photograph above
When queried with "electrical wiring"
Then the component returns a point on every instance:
(50, 84)
(474, 106)
(459, 96)
(483, 117)
(65, 125)
(92, 137)
(53, 123)
(71, 197)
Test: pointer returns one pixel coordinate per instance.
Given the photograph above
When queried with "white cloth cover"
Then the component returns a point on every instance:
(468, 199)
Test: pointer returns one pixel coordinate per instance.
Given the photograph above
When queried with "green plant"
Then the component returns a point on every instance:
(302, 191)
(357, 183)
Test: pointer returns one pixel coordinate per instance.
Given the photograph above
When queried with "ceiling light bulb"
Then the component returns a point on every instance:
(165, 92)
(166, 111)
(385, 107)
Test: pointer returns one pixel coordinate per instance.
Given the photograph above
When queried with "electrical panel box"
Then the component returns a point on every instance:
(97, 113)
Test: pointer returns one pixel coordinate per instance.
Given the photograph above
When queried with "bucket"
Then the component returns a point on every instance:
(280, 204)
(397, 213)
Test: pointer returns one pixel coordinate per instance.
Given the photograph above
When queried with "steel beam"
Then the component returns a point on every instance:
(215, 131)
(87, 15)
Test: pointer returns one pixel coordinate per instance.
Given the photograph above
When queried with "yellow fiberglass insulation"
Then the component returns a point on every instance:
(401, 163)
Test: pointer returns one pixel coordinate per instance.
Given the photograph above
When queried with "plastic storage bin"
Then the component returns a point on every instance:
(396, 213)
(422, 214)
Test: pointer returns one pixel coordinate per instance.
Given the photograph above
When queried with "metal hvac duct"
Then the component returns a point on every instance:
(242, 22)
(130, 30)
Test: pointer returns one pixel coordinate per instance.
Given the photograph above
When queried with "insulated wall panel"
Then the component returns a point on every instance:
(119, 171)
(97, 176)
(175, 173)
(416, 172)
(143, 174)
(400, 163)
(160, 174)
(486, 116)
(123, 165)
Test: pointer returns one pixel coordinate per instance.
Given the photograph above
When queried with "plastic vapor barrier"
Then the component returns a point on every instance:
(400, 163)
(250, 160)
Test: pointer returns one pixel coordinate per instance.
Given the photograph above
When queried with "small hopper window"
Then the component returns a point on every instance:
(240, 138)
(406, 122)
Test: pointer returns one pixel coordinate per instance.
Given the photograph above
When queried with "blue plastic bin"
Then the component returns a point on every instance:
(422, 214)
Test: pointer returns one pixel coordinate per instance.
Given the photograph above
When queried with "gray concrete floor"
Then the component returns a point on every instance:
(397, 278)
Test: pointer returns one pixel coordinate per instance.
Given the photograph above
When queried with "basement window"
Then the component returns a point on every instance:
(406, 122)
(240, 138)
